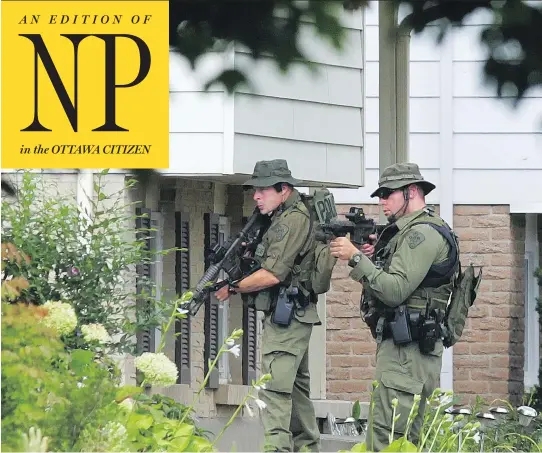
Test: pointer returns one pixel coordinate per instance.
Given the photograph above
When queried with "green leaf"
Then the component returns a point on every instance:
(159, 433)
(231, 79)
(157, 415)
(80, 359)
(141, 421)
(200, 444)
(127, 391)
(181, 444)
(184, 436)
(184, 430)
(104, 172)
(361, 447)
(356, 410)
(401, 444)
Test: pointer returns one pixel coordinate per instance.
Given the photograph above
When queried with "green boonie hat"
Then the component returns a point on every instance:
(267, 173)
(400, 175)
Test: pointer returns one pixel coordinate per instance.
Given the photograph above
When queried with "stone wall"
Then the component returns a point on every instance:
(350, 347)
(197, 198)
(488, 361)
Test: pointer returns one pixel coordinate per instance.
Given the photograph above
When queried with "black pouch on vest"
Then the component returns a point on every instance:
(400, 326)
(416, 322)
(284, 309)
(429, 335)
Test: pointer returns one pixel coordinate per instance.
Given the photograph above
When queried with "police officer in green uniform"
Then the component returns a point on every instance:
(286, 248)
(407, 281)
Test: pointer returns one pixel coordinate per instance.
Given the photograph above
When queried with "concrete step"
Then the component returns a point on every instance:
(246, 434)
(329, 442)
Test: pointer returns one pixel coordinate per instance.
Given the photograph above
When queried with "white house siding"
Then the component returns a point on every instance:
(196, 118)
(309, 117)
(312, 118)
(496, 150)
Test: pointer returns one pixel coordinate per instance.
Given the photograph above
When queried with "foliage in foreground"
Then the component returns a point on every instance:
(85, 259)
(61, 388)
(475, 428)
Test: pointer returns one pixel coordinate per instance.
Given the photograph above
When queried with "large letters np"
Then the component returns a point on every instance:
(70, 108)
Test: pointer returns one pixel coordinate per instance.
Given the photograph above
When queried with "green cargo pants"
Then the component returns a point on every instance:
(288, 420)
(401, 372)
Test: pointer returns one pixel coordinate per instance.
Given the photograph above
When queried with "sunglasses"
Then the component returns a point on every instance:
(385, 193)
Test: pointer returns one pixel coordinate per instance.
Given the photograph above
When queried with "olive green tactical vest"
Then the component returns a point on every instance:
(437, 297)
(264, 299)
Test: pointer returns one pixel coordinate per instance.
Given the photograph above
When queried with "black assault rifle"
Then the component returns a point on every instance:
(359, 227)
(233, 257)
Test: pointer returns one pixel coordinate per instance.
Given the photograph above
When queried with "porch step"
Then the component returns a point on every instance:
(329, 442)
(246, 434)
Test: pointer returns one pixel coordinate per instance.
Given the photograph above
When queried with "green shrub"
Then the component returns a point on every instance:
(47, 387)
(86, 260)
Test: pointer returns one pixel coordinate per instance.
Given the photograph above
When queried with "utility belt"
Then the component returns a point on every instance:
(290, 300)
(405, 325)
(281, 302)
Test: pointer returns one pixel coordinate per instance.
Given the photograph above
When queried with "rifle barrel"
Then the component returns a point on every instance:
(213, 270)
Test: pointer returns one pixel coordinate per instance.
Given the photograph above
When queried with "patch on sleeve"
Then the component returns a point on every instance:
(280, 232)
(260, 250)
(414, 239)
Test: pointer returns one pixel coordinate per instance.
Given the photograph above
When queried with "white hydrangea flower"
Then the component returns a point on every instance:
(61, 317)
(51, 277)
(115, 430)
(95, 332)
(112, 437)
(157, 368)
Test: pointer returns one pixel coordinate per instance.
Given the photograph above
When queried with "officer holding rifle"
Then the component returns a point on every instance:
(284, 254)
(407, 281)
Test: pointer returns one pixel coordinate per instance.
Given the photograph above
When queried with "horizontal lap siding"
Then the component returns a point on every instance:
(311, 118)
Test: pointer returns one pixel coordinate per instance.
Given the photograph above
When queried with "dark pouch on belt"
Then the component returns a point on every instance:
(284, 309)
(400, 326)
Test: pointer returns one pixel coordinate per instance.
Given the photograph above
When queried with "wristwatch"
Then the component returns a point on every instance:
(352, 262)
(232, 288)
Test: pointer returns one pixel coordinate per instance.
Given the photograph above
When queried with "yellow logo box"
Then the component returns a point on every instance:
(85, 84)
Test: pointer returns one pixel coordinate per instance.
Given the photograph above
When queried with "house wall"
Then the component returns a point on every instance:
(483, 156)
(488, 360)
(197, 198)
(465, 140)
(313, 117)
